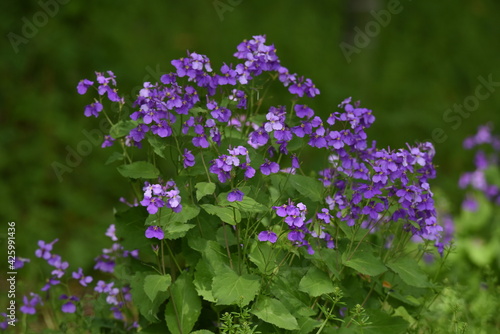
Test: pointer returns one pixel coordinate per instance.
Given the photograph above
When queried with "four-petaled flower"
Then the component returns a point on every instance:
(154, 232)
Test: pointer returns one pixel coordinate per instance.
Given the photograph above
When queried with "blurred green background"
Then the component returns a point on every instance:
(409, 72)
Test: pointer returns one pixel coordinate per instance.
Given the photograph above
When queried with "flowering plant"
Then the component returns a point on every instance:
(238, 231)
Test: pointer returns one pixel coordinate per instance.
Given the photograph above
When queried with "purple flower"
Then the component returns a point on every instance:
(69, 306)
(83, 85)
(44, 249)
(84, 280)
(235, 195)
(470, 203)
(154, 232)
(93, 109)
(268, 236)
(102, 287)
(269, 167)
(152, 204)
(303, 110)
(188, 159)
(19, 262)
(104, 263)
(50, 282)
(108, 141)
(111, 232)
(29, 305)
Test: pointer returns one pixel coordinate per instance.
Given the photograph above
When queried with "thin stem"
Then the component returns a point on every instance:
(227, 245)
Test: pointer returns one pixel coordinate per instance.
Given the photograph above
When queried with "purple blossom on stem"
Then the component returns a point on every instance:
(269, 167)
(235, 195)
(188, 159)
(93, 109)
(69, 306)
(29, 305)
(82, 279)
(268, 236)
(154, 232)
(83, 85)
(44, 249)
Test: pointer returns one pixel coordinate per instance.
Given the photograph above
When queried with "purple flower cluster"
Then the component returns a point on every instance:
(477, 179)
(295, 216)
(224, 165)
(106, 261)
(157, 196)
(115, 297)
(104, 87)
(365, 185)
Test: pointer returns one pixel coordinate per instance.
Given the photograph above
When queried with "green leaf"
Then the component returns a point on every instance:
(177, 230)
(316, 283)
(229, 288)
(130, 229)
(249, 205)
(203, 281)
(365, 263)
(273, 311)
(231, 216)
(306, 325)
(286, 289)
(184, 307)
(158, 144)
(115, 156)
(148, 308)
(263, 256)
(381, 322)
(409, 271)
(198, 110)
(307, 186)
(166, 216)
(139, 169)
(202, 331)
(203, 189)
(122, 128)
(153, 284)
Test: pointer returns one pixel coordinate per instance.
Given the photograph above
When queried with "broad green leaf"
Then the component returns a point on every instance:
(153, 284)
(225, 235)
(166, 216)
(158, 144)
(198, 110)
(177, 230)
(286, 289)
(122, 128)
(203, 281)
(115, 156)
(229, 288)
(306, 325)
(139, 169)
(184, 307)
(365, 263)
(273, 311)
(263, 256)
(203, 189)
(202, 331)
(130, 229)
(148, 308)
(227, 215)
(307, 186)
(249, 205)
(409, 271)
(316, 283)
(381, 322)
(332, 259)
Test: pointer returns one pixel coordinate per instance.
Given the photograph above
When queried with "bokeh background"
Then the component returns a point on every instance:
(409, 72)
